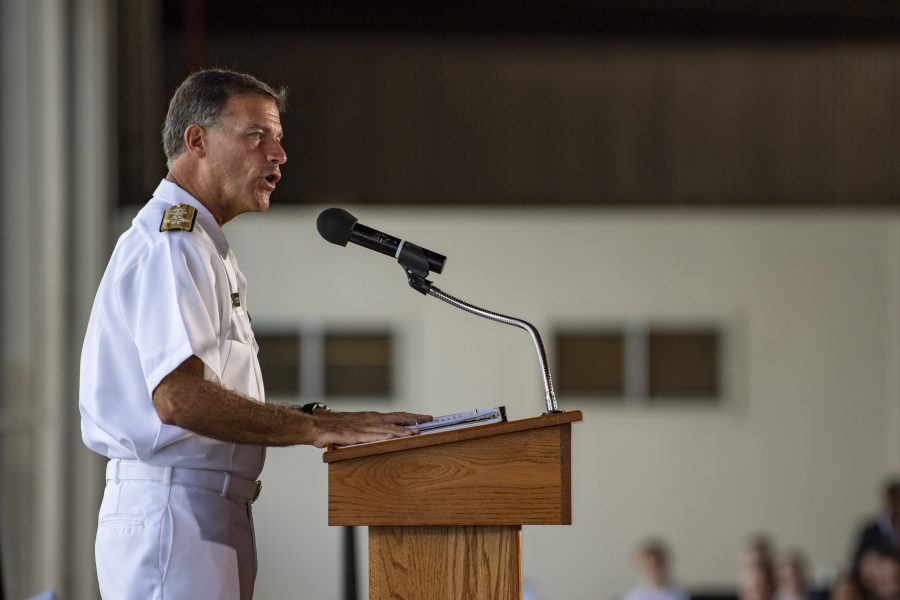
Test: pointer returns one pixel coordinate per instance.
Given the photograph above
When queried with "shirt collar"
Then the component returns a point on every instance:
(171, 193)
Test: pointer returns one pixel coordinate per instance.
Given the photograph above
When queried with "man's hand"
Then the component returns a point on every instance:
(183, 398)
(357, 427)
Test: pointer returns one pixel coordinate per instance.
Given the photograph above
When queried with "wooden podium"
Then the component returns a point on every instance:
(445, 510)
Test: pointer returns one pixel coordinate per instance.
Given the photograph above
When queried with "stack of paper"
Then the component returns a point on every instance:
(472, 418)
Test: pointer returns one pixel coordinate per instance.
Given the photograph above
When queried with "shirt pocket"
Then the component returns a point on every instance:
(241, 366)
(240, 327)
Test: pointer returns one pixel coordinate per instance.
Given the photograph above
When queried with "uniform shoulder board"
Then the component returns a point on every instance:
(179, 217)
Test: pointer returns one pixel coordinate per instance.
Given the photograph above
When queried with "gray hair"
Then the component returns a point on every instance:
(200, 100)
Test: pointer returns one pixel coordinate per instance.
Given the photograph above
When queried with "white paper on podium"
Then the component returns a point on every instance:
(472, 418)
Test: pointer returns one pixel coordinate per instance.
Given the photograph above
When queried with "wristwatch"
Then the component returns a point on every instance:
(313, 407)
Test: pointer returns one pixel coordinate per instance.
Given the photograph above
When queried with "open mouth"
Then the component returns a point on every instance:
(273, 178)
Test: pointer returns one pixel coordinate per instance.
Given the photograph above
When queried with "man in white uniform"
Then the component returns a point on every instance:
(171, 389)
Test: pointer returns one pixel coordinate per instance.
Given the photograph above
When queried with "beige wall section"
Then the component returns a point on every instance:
(893, 324)
(893, 423)
(809, 302)
(33, 228)
(93, 163)
(53, 201)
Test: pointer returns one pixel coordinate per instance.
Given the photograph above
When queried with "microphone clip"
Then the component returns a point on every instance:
(414, 262)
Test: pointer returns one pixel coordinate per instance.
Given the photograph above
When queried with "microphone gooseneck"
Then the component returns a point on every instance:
(549, 392)
(339, 227)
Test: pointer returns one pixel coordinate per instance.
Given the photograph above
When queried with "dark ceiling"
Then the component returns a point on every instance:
(786, 20)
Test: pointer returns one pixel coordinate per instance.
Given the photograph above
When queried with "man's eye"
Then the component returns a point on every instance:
(257, 134)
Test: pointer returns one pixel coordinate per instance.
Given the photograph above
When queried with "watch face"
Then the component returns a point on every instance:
(314, 407)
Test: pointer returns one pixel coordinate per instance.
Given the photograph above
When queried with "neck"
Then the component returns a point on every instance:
(188, 184)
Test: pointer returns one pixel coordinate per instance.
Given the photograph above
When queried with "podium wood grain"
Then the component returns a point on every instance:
(452, 563)
(514, 477)
(445, 510)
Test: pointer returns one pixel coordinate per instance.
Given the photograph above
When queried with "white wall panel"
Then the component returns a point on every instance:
(798, 449)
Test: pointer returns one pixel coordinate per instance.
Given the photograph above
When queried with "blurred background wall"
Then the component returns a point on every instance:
(695, 202)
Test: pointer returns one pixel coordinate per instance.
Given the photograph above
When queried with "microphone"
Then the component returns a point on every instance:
(339, 227)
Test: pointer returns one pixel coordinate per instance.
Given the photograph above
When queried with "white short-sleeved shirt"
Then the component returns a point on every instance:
(164, 297)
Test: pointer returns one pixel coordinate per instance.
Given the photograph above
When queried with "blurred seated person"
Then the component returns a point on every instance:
(755, 582)
(887, 578)
(655, 578)
(881, 534)
(756, 570)
(791, 579)
(867, 573)
(879, 576)
(845, 588)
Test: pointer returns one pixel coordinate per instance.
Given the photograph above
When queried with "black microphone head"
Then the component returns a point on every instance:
(335, 225)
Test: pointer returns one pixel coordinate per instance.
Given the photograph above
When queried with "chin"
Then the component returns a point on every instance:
(262, 204)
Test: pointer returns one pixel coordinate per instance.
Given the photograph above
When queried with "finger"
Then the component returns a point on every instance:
(374, 433)
(405, 418)
(343, 438)
(397, 430)
(378, 428)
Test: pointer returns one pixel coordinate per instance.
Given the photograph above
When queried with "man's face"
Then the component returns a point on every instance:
(653, 568)
(244, 155)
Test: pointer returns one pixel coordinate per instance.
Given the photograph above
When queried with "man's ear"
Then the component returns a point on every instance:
(195, 140)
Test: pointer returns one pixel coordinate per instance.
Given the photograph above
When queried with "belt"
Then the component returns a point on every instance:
(222, 482)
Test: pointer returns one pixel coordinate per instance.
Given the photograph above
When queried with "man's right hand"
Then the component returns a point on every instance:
(357, 427)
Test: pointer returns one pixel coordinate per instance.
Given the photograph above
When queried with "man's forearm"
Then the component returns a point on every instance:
(185, 399)
(209, 409)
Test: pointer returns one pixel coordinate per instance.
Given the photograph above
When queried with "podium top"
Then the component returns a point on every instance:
(448, 437)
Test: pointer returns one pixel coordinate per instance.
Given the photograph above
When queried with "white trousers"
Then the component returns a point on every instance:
(158, 540)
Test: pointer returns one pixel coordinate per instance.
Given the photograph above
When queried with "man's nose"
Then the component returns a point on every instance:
(277, 154)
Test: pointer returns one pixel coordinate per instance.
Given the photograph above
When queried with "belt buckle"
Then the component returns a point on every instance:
(256, 493)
